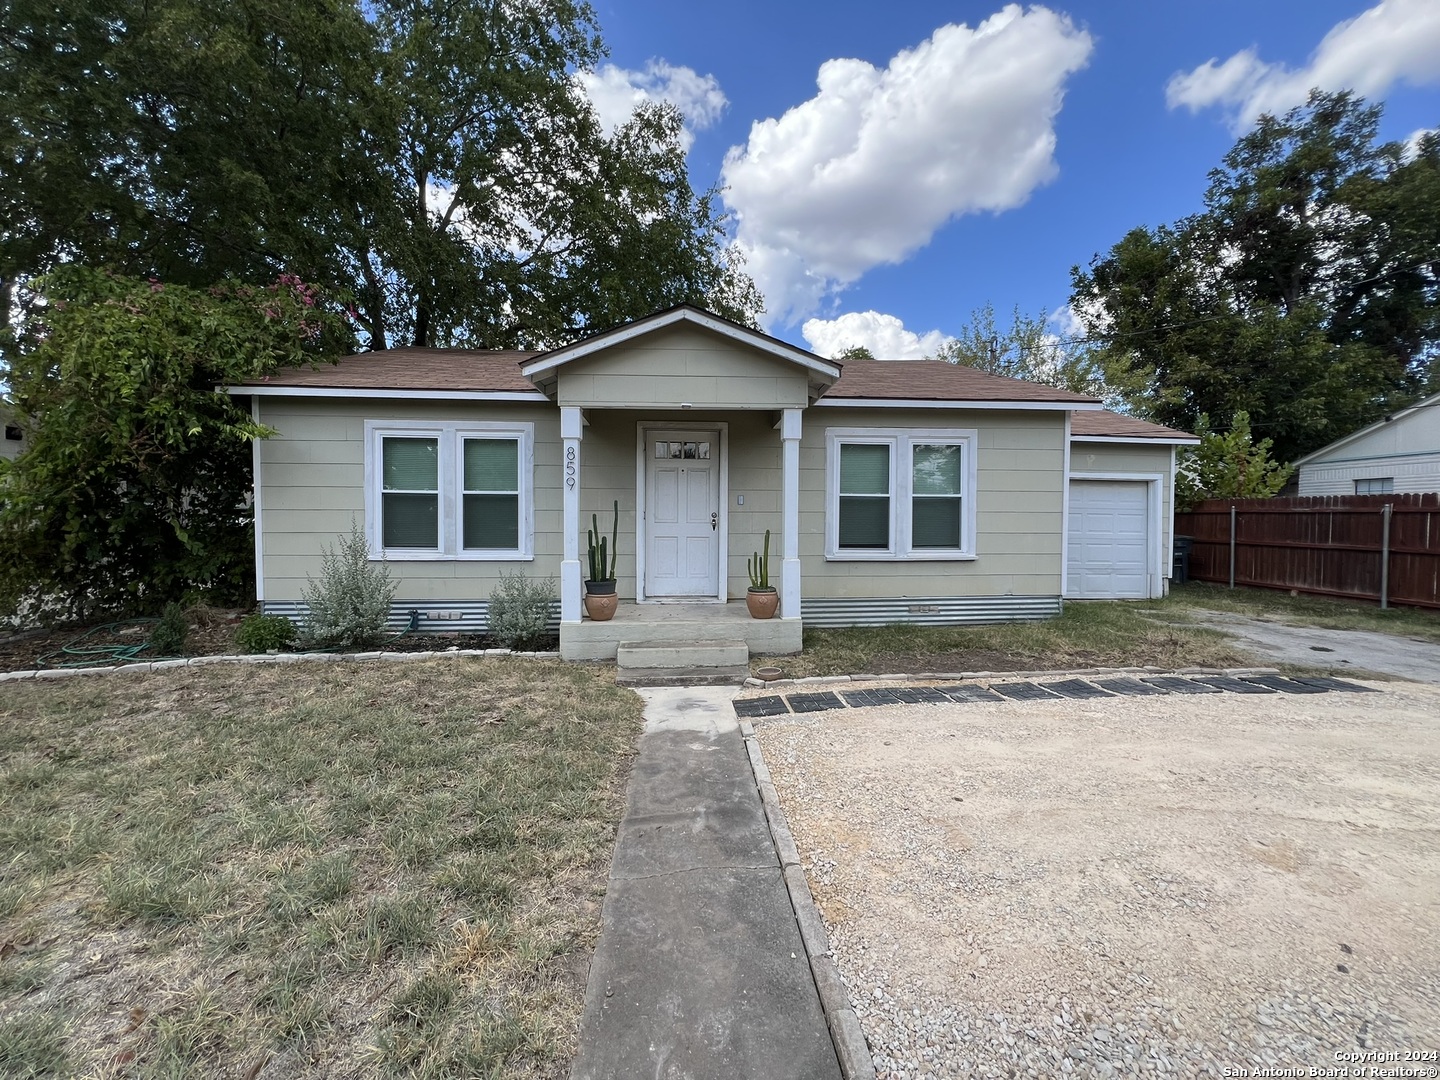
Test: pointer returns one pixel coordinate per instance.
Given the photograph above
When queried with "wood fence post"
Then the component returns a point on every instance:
(1385, 512)
(1232, 545)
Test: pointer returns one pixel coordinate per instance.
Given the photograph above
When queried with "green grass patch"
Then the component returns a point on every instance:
(1316, 611)
(355, 869)
(32, 1046)
(1108, 634)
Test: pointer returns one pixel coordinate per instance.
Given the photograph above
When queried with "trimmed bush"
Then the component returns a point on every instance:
(261, 633)
(350, 604)
(520, 610)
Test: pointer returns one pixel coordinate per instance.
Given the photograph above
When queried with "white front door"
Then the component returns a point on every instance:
(682, 513)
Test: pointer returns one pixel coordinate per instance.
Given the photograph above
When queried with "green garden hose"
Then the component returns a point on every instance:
(75, 654)
(78, 655)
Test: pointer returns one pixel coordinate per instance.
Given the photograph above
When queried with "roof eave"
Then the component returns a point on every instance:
(959, 403)
(1145, 440)
(1424, 403)
(403, 394)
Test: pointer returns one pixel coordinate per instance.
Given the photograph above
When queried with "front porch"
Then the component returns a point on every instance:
(677, 624)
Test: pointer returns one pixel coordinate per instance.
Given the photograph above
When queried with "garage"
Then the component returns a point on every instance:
(1110, 540)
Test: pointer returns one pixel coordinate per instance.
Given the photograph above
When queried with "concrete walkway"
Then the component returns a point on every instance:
(700, 973)
(1359, 651)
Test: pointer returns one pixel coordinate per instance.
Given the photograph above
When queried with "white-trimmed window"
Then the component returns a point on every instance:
(449, 490)
(897, 493)
(1377, 485)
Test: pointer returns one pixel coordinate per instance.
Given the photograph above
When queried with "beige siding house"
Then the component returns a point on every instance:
(1120, 518)
(910, 491)
(1400, 453)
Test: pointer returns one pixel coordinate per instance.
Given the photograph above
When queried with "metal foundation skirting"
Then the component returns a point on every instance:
(471, 616)
(434, 616)
(928, 610)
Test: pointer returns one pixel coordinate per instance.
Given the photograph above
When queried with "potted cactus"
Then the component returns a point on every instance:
(761, 598)
(600, 598)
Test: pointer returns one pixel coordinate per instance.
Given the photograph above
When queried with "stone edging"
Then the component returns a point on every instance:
(145, 667)
(850, 1046)
(1002, 676)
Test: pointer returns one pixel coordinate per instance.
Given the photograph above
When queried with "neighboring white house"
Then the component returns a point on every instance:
(12, 435)
(1399, 454)
(901, 491)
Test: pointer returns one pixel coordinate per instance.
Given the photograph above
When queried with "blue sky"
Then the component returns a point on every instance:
(963, 153)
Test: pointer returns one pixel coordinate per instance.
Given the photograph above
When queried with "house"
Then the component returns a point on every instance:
(1121, 512)
(907, 491)
(1401, 453)
(12, 437)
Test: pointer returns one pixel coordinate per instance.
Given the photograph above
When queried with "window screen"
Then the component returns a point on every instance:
(864, 496)
(491, 493)
(410, 493)
(935, 497)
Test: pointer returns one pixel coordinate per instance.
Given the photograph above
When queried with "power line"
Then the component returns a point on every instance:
(1209, 318)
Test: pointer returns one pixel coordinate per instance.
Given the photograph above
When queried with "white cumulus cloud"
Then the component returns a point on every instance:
(616, 93)
(1394, 41)
(884, 335)
(1412, 144)
(868, 169)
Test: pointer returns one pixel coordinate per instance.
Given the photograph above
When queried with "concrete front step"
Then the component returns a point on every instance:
(674, 676)
(693, 654)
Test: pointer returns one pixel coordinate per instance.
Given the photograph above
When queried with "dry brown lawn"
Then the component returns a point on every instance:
(305, 870)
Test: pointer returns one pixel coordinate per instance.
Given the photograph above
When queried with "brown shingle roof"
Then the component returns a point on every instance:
(1120, 427)
(413, 369)
(935, 380)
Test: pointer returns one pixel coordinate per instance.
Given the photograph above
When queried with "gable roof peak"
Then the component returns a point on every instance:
(822, 372)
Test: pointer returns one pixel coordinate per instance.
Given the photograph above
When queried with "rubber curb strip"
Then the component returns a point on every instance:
(1001, 676)
(850, 1046)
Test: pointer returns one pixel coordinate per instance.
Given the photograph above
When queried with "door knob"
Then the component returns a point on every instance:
(714, 519)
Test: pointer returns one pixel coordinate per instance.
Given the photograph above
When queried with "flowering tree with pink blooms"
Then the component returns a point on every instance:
(132, 489)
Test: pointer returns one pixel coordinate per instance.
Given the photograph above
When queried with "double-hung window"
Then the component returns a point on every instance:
(900, 494)
(410, 492)
(449, 490)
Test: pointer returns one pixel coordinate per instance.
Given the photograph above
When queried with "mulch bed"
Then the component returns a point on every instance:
(112, 644)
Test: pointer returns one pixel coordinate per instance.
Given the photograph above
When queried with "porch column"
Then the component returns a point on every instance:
(790, 504)
(572, 430)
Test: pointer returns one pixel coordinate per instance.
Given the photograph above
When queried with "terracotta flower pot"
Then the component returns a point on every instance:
(601, 600)
(762, 603)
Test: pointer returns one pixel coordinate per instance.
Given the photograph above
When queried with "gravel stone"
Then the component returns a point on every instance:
(1153, 886)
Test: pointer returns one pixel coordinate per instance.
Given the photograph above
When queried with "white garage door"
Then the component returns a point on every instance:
(1109, 540)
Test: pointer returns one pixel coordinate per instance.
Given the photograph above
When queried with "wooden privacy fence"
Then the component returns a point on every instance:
(1361, 547)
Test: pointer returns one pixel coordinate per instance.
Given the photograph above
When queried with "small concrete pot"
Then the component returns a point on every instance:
(762, 603)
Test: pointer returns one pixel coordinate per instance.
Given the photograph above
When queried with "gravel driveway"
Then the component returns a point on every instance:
(1131, 886)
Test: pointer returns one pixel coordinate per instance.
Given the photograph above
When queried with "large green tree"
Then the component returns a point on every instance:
(1027, 349)
(133, 484)
(434, 158)
(1306, 293)
(183, 140)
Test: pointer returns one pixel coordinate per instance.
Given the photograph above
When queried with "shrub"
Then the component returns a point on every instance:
(261, 633)
(520, 610)
(350, 604)
(168, 637)
(1228, 465)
